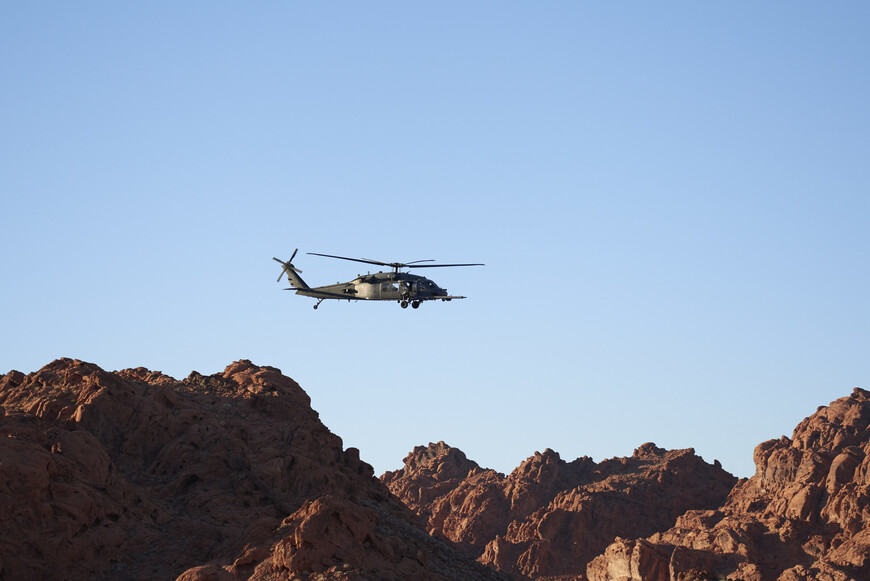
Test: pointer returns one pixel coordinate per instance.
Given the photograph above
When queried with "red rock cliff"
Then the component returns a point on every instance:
(549, 518)
(805, 515)
(134, 475)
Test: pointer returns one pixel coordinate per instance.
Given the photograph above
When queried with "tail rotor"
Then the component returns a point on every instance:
(287, 265)
(291, 271)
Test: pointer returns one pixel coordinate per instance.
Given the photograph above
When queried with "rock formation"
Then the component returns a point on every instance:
(549, 518)
(134, 475)
(805, 515)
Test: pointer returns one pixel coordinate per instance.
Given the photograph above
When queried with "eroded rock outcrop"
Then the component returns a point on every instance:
(805, 515)
(468, 505)
(549, 518)
(135, 475)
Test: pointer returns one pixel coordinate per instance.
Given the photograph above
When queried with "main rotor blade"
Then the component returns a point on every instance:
(366, 260)
(437, 265)
(396, 265)
(373, 261)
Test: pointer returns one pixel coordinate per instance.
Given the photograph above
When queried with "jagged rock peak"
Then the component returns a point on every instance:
(802, 517)
(549, 517)
(440, 459)
(537, 462)
(144, 375)
(135, 475)
(649, 449)
(843, 423)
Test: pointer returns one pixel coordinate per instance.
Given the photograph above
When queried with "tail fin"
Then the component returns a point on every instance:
(292, 272)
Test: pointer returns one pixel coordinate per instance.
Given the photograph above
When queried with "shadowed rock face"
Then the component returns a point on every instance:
(134, 475)
(549, 518)
(805, 515)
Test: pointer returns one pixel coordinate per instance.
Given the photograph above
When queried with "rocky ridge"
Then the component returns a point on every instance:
(232, 476)
(549, 518)
(136, 475)
(804, 515)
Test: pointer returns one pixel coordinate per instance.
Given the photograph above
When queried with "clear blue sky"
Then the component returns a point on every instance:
(671, 199)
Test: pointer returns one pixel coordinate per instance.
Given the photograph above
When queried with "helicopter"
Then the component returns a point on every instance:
(402, 287)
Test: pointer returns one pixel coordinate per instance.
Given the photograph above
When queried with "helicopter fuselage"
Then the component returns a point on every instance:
(381, 286)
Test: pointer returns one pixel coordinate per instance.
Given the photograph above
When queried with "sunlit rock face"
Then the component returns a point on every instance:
(135, 475)
(803, 516)
(549, 518)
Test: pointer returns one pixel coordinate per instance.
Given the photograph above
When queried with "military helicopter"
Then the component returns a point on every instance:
(402, 287)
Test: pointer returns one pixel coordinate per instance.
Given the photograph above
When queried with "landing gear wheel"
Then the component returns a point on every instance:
(404, 304)
(416, 304)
